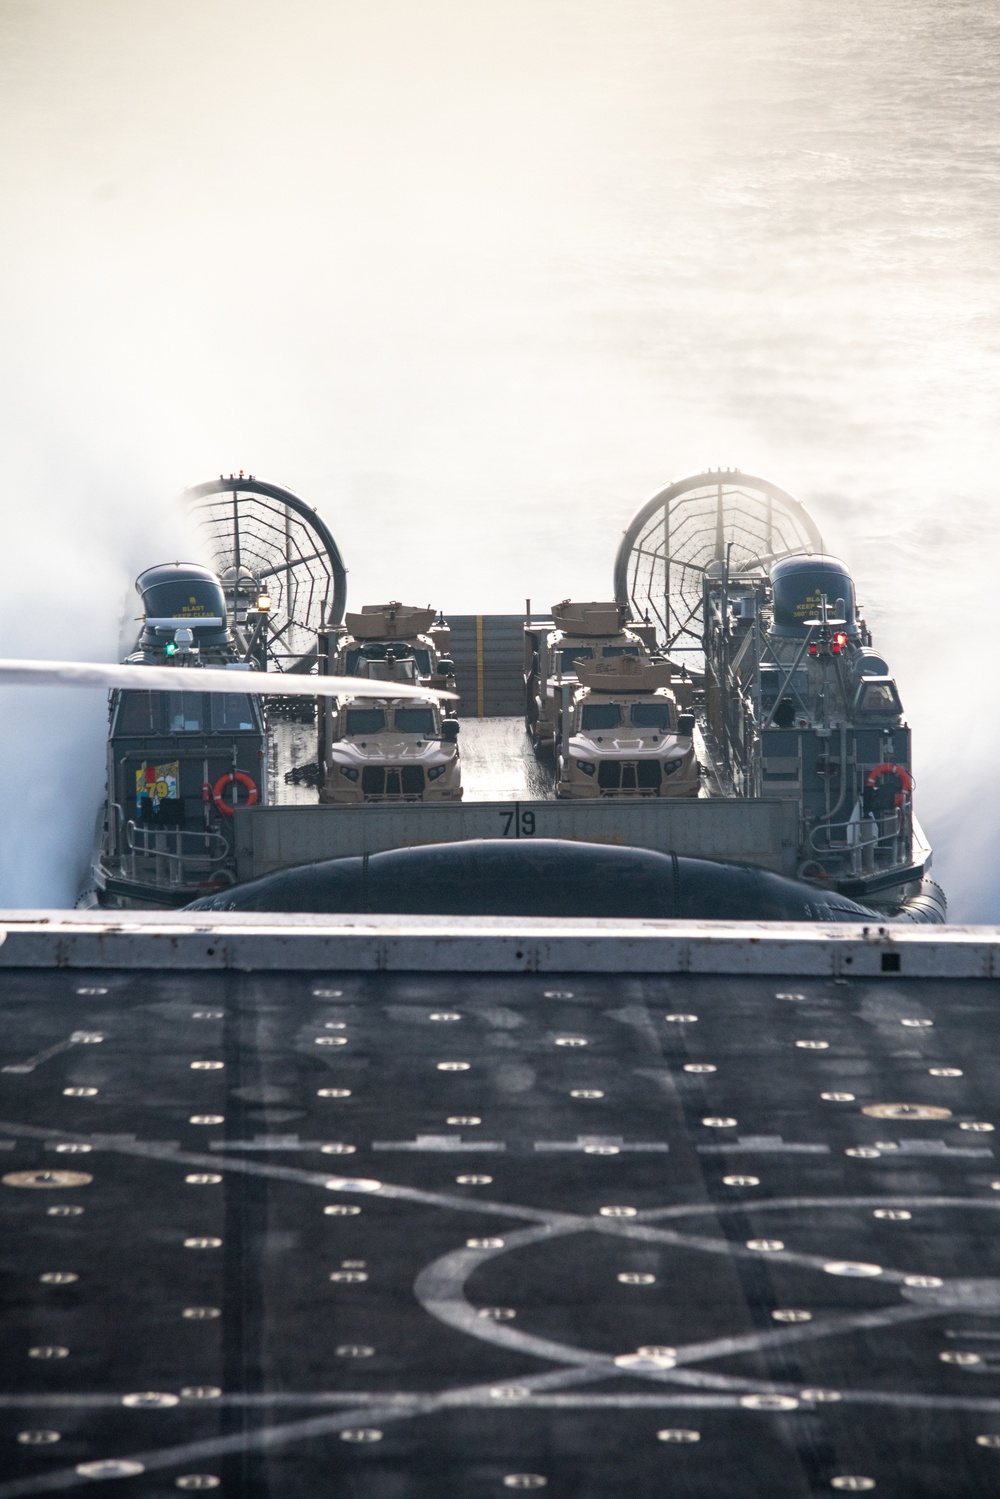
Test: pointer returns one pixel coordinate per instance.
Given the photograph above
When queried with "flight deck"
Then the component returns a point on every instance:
(402, 1208)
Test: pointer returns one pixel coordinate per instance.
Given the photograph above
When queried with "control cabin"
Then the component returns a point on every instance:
(800, 707)
(179, 763)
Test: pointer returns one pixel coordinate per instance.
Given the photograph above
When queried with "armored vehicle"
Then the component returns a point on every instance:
(391, 750)
(388, 750)
(583, 632)
(382, 627)
(621, 733)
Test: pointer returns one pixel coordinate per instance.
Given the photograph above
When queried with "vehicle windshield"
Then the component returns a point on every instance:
(415, 720)
(651, 716)
(600, 716)
(575, 653)
(364, 720)
(388, 671)
(620, 650)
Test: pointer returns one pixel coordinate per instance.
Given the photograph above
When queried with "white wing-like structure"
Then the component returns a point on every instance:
(201, 679)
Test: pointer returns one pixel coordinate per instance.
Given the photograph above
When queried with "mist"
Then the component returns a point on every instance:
(476, 280)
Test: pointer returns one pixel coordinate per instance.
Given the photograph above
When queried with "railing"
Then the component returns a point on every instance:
(867, 843)
(175, 858)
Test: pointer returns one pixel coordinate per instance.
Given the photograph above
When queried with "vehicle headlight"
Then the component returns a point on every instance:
(669, 766)
(586, 766)
(349, 771)
(435, 771)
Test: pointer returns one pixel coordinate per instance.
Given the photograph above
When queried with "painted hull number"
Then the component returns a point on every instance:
(518, 823)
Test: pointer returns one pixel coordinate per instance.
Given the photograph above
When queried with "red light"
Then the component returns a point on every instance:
(839, 641)
(813, 651)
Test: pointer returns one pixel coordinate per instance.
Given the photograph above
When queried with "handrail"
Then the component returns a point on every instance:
(867, 835)
(868, 832)
(119, 814)
(142, 849)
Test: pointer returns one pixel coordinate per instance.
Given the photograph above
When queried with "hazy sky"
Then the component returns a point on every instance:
(476, 279)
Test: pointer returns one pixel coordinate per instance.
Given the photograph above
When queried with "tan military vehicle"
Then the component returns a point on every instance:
(397, 630)
(622, 733)
(391, 750)
(583, 632)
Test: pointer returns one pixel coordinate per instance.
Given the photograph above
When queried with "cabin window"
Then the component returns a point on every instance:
(364, 720)
(415, 721)
(600, 716)
(878, 697)
(231, 710)
(772, 678)
(620, 650)
(423, 660)
(183, 712)
(575, 653)
(651, 716)
(139, 713)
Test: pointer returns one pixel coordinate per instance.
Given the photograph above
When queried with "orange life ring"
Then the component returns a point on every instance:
(905, 779)
(241, 778)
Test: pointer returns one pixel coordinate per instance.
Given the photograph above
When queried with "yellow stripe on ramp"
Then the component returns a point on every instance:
(480, 691)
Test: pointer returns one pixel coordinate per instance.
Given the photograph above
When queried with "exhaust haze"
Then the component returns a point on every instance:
(476, 280)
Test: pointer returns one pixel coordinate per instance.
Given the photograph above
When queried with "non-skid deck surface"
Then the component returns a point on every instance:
(383, 1237)
(291, 745)
(498, 762)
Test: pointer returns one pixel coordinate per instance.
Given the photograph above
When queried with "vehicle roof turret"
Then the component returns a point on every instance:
(389, 621)
(590, 619)
(624, 674)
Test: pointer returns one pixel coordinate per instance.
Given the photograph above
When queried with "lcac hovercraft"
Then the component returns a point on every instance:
(803, 755)
(182, 761)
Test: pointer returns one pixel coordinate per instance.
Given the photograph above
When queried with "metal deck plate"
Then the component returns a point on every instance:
(412, 1236)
